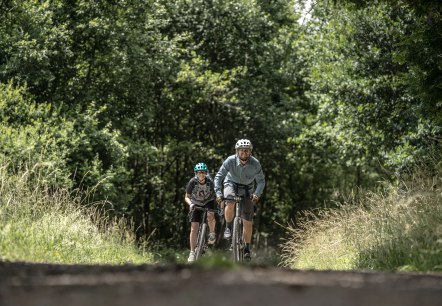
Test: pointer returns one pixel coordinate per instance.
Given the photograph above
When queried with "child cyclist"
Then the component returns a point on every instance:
(200, 191)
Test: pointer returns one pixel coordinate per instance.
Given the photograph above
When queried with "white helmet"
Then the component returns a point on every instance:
(243, 144)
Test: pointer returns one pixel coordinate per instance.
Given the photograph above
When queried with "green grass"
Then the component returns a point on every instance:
(40, 224)
(400, 230)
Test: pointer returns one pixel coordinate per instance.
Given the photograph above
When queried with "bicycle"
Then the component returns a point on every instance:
(201, 245)
(238, 242)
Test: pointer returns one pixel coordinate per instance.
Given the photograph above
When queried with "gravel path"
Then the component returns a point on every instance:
(24, 284)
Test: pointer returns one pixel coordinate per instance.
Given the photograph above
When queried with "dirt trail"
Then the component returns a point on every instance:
(23, 284)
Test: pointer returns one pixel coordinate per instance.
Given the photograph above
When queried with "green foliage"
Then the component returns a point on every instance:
(97, 157)
(362, 121)
(354, 86)
(43, 224)
(122, 98)
(34, 134)
(396, 231)
(71, 152)
(420, 49)
(226, 33)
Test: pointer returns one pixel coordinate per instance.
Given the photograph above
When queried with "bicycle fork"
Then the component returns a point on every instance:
(237, 237)
(201, 240)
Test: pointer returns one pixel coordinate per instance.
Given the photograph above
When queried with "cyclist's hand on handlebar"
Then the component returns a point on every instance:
(191, 207)
(220, 202)
(255, 199)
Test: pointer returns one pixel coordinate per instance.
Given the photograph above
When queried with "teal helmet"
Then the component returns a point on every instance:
(201, 167)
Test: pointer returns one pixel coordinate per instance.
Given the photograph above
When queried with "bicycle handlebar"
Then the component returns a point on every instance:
(235, 198)
(238, 199)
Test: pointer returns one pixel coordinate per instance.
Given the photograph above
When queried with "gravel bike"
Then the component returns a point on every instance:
(238, 243)
(201, 240)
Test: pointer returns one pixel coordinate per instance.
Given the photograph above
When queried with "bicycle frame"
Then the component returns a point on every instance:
(201, 244)
(237, 235)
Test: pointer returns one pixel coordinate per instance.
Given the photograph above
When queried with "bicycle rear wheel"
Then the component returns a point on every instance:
(201, 240)
(237, 239)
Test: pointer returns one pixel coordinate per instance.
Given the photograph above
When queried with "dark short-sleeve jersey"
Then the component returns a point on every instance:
(201, 194)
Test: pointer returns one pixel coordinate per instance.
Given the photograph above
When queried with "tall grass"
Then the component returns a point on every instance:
(40, 223)
(398, 230)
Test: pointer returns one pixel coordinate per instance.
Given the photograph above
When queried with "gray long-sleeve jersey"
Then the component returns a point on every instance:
(231, 171)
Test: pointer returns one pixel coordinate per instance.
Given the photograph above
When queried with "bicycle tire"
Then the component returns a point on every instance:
(237, 239)
(201, 240)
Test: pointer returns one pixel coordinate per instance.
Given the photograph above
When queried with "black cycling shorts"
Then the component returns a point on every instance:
(195, 215)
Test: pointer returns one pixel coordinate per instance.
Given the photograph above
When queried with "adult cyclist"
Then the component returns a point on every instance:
(241, 174)
(200, 191)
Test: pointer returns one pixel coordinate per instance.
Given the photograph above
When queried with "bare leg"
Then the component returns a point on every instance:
(229, 212)
(211, 221)
(247, 230)
(193, 235)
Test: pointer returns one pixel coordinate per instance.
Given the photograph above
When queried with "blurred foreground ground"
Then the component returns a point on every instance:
(24, 284)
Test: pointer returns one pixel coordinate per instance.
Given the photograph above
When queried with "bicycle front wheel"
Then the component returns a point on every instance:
(237, 239)
(201, 240)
